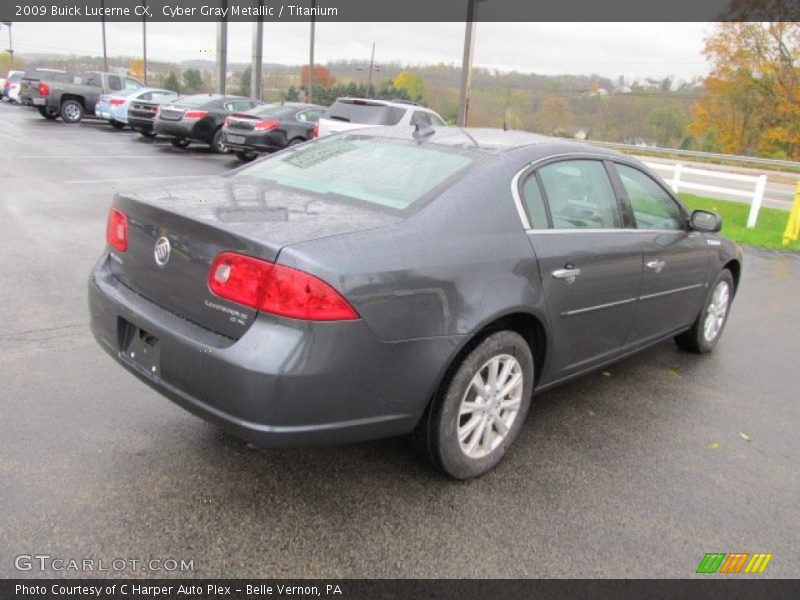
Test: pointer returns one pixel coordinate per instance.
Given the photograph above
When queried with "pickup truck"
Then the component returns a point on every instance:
(68, 95)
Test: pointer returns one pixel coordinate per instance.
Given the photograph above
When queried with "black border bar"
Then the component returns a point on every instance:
(401, 10)
(711, 587)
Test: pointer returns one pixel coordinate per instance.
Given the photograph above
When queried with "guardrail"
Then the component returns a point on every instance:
(756, 195)
(773, 162)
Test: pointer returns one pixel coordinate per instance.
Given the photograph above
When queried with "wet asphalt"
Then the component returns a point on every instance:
(635, 472)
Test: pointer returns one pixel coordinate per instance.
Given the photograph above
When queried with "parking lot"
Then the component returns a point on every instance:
(637, 471)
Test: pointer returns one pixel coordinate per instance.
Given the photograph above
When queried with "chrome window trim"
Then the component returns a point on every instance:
(523, 215)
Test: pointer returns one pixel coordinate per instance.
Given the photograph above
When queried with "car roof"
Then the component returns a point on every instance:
(486, 139)
(396, 103)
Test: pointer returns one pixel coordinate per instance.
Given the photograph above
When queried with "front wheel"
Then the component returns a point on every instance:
(245, 156)
(179, 142)
(707, 329)
(147, 134)
(117, 125)
(71, 111)
(470, 425)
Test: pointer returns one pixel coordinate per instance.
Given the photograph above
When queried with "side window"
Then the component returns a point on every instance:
(308, 116)
(652, 205)
(533, 201)
(132, 84)
(146, 97)
(580, 195)
(435, 120)
(239, 105)
(114, 83)
(421, 118)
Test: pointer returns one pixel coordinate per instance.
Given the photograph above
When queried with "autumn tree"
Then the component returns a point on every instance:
(322, 77)
(554, 113)
(412, 83)
(751, 101)
(136, 69)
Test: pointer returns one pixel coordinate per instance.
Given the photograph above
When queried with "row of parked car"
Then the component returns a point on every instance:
(226, 123)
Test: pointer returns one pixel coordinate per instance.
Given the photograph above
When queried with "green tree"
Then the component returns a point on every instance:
(171, 82)
(192, 80)
(244, 82)
(412, 83)
(669, 123)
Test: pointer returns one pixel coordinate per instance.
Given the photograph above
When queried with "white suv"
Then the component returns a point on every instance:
(355, 113)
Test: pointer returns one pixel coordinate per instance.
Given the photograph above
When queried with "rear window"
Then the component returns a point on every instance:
(358, 111)
(388, 173)
(272, 110)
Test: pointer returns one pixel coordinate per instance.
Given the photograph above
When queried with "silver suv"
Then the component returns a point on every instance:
(355, 113)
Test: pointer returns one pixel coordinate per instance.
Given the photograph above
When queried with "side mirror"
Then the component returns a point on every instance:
(705, 221)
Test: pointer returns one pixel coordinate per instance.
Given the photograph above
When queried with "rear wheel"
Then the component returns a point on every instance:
(296, 141)
(470, 425)
(47, 112)
(148, 134)
(245, 156)
(71, 111)
(179, 142)
(707, 329)
(117, 125)
(217, 145)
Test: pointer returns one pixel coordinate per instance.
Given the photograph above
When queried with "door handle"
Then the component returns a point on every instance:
(567, 275)
(656, 265)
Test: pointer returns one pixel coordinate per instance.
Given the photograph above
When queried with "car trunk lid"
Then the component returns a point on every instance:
(202, 220)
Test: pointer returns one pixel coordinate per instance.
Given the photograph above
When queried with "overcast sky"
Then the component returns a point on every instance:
(635, 50)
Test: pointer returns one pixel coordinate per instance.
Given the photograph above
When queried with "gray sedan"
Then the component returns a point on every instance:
(385, 282)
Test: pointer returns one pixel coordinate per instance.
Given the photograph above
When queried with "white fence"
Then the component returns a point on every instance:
(756, 195)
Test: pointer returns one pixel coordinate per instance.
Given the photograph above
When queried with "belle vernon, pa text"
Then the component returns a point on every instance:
(172, 591)
(177, 10)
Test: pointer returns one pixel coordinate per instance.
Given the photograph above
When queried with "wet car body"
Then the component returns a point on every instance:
(425, 280)
(270, 128)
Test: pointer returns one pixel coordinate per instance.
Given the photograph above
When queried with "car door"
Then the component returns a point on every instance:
(590, 263)
(675, 259)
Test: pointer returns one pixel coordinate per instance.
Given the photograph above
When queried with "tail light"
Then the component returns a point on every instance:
(44, 89)
(227, 121)
(316, 129)
(117, 101)
(276, 289)
(265, 125)
(194, 114)
(157, 110)
(117, 230)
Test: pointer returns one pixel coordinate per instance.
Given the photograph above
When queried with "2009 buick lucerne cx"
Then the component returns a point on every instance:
(384, 282)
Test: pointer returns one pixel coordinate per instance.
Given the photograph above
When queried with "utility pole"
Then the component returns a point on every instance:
(144, 45)
(258, 55)
(103, 22)
(371, 66)
(466, 64)
(310, 91)
(10, 41)
(222, 50)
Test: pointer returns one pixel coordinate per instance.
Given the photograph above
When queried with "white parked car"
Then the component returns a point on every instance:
(11, 86)
(355, 113)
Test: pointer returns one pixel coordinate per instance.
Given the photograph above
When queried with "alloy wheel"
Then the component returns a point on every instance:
(717, 310)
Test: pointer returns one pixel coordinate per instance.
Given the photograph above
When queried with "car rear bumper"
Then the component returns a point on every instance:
(145, 125)
(262, 141)
(284, 382)
(181, 130)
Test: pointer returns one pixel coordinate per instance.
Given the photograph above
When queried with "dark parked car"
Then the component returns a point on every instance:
(269, 128)
(143, 111)
(199, 118)
(377, 283)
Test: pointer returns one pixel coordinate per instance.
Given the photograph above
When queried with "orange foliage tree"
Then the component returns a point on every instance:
(322, 76)
(752, 94)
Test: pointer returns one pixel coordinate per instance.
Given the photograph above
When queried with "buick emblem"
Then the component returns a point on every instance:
(161, 251)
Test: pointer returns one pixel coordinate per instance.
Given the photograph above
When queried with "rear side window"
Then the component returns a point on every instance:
(421, 118)
(308, 116)
(132, 84)
(346, 167)
(361, 111)
(533, 201)
(580, 195)
(652, 205)
(114, 83)
(238, 105)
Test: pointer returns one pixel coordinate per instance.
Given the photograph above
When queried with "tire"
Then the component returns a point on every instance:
(296, 142)
(71, 111)
(147, 134)
(707, 329)
(117, 125)
(179, 142)
(217, 146)
(458, 406)
(245, 156)
(51, 114)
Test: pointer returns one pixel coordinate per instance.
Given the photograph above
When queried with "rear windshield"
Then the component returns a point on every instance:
(272, 110)
(388, 173)
(198, 100)
(361, 111)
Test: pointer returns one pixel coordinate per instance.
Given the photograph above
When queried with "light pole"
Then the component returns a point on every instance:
(10, 41)
(310, 91)
(371, 66)
(222, 50)
(103, 22)
(466, 64)
(144, 45)
(257, 56)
